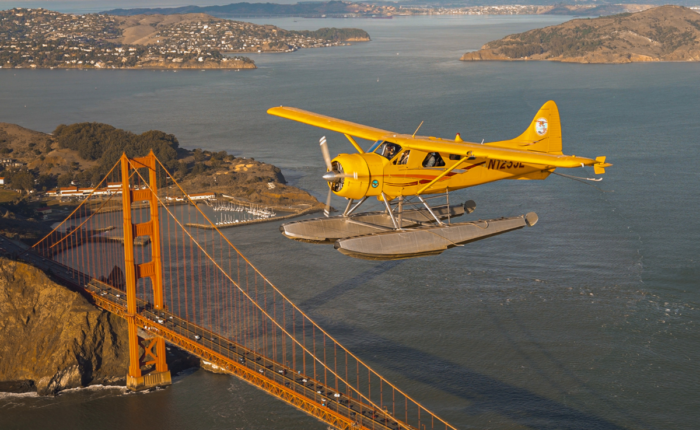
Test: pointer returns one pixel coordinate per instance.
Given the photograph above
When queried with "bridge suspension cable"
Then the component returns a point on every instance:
(217, 302)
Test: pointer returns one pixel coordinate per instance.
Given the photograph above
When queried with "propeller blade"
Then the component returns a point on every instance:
(326, 154)
(327, 209)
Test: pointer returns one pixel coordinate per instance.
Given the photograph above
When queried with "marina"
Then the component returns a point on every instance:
(228, 214)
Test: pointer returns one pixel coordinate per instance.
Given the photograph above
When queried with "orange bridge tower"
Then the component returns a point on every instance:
(153, 347)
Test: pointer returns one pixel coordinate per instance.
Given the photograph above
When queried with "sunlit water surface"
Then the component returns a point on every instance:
(586, 321)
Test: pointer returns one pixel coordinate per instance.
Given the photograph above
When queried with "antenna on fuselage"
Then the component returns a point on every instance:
(419, 126)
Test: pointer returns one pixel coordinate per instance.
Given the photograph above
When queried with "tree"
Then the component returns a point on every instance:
(198, 155)
(65, 179)
(44, 182)
(22, 180)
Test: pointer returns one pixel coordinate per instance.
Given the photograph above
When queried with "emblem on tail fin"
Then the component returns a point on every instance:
(541, 126)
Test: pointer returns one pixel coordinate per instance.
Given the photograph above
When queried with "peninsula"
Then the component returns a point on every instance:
(39, 38)
(666, 33)
(58, 170)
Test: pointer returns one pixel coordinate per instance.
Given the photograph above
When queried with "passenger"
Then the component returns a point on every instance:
(433, 160)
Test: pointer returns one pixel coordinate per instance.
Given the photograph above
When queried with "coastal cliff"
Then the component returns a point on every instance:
(666, 33)
(52, 339)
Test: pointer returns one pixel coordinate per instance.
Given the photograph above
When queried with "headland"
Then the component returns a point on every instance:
(666, 33)
(44, 175)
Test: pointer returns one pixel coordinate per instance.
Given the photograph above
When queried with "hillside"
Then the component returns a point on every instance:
(40, 38)
(83, 153)
(666, 33)
(175, 32)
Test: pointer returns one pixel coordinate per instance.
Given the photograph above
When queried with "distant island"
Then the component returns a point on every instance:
(39, 38)
(383, 10)
(321, 9)
(666, 33)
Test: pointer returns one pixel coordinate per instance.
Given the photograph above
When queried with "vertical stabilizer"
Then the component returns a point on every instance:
(544, 132)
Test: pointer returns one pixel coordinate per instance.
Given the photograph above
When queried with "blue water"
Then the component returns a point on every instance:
(586, 321)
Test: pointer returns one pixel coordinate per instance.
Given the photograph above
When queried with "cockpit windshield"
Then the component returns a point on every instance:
(388, 150)
(374, 146)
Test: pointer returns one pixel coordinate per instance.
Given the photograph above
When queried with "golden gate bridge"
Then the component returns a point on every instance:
(134, 255)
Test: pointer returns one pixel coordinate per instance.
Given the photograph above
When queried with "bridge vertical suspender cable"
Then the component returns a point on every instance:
(212, 302)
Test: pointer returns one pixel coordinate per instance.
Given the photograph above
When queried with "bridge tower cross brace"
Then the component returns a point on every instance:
(154, 347)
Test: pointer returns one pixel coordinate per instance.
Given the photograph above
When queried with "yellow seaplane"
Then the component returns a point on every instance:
(405, 171)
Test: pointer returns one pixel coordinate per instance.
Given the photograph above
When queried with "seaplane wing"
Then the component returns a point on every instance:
(530, 157)
(329, 123)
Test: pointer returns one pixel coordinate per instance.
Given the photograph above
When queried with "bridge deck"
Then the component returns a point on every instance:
(312, 396)
(241, 361)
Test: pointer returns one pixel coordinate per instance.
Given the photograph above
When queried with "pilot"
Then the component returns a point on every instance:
(390, 151)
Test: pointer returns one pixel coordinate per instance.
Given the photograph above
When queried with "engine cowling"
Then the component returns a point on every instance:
(364, 175)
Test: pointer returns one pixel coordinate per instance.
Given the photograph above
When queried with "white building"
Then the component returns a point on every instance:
(202, 196)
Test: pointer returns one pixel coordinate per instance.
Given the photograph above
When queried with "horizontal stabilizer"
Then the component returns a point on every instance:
(600, 165)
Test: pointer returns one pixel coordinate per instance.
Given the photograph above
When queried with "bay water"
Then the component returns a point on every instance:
(589, 320)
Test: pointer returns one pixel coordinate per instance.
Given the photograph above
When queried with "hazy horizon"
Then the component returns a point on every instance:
(93, 6)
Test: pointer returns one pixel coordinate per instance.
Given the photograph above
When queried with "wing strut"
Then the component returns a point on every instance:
(359, 149)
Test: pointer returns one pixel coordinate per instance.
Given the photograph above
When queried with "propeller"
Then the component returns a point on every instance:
(331, 175)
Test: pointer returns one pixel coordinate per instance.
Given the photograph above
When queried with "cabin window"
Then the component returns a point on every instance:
(403, 158)
(374, 146)
(433, 159)
(388, 150)
(455, 157)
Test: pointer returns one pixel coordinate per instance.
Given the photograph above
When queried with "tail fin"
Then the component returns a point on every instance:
(543, 134)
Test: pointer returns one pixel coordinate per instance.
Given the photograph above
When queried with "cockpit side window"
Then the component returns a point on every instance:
(433, 159)
(388, 150)
(403, 158)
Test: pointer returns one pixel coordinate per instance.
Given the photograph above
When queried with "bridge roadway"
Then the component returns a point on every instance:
(340, 411)
(314, 390)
